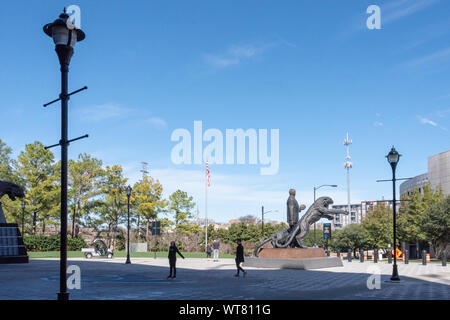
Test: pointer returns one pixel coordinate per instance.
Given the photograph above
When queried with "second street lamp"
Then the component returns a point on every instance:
(315, 188)
(128, 226)
(393, 158)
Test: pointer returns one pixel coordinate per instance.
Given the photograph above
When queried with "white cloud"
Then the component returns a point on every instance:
(157, 122)
(378, 124)
(104, 112)
(429, 58)
(427, 121)
(401, 9)
(234, 55)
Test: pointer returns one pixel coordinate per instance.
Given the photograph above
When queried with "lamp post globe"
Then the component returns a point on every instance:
(65, 35)
(128, 226)
(393, 157)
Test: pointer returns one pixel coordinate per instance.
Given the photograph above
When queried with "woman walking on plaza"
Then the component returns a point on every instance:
(239, 258)
(173, 250)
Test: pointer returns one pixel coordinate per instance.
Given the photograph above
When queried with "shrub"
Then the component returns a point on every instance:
(52, 243)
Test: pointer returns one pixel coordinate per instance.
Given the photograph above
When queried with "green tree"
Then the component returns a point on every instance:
(84, 184)
(114, 200)
(436, 224)
(412, 212)
(39, 175)
(6, 163)
(352, 237)
(180, 204)
(378, 226)
(148, 201)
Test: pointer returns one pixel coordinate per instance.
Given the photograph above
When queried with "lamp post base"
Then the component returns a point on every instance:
(128, 260)
(63, 296)
(395, 276)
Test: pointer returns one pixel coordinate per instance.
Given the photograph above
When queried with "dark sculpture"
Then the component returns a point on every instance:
(293, 209)
(13, 191)
(293, 236)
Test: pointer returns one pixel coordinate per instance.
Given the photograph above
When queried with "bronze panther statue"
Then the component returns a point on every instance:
(13, 191)
(292, 237)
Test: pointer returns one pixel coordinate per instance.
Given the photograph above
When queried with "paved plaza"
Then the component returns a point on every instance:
(145, 278)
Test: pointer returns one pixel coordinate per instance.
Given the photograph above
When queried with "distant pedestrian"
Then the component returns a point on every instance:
(173, 250)
(315, 245)
(208, 251)
(216, 250)
(239, 258)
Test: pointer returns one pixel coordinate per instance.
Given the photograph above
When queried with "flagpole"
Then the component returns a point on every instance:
(206, 207)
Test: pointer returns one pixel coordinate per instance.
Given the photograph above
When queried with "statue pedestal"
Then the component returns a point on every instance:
(292, 253)
(12, 248)
(293, 258)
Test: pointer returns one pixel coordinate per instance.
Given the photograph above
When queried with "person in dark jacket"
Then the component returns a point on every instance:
(173, 250)
(239, 258)
(208, 251)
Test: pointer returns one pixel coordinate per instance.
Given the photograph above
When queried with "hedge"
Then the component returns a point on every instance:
(52, 243)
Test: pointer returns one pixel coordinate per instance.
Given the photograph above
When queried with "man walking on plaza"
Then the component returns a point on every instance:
(239, 258)
(216, 250)
(173, 250)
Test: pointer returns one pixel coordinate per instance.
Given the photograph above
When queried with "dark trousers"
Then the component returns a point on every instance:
(238, 266)
(173, 263)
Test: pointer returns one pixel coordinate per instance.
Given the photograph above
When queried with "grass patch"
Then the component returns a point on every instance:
(122, 254)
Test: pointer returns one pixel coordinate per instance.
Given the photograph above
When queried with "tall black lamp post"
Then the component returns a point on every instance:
(315, 188)
(65, 36)
(393, 157)
(23, 216)
(128, 227)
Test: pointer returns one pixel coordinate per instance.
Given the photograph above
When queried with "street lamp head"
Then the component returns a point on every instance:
(63, 32)
(393, 157)
(128, 191)
(334, 185)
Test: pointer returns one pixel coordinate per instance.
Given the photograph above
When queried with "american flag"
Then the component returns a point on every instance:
(207, 173)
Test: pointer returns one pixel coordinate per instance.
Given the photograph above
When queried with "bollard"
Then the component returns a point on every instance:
(389, 254)
(444, 258)
(424, 257)
(349, 255)
(375, 256)
(361, 256)
(338, 254)
(406, 256)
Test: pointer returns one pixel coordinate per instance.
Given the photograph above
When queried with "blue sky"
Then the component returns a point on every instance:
(308, 68)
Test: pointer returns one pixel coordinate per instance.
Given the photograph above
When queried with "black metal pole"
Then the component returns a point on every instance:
(64, 54)
(128, 234)
(262, 221)
(395, 276)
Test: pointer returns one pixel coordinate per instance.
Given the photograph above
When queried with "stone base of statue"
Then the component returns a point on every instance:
(293, 258)
(12, 248)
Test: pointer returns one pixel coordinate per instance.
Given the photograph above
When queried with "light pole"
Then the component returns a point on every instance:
(23, 216)
(65, 36)
(315, 188)
(393, 158)
(128, 227)
(262, 220)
